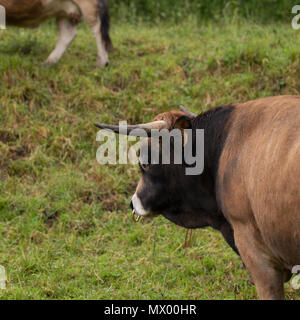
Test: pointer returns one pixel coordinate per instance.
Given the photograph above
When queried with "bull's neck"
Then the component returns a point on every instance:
(216, 124)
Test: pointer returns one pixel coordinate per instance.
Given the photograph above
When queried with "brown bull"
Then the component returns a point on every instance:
(68, 13)
(249, 189)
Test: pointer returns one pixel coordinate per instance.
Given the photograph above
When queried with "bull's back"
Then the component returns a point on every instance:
(260, 172)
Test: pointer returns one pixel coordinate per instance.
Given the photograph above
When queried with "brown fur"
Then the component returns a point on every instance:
(258, 182)
(19, 6)
(170, 117)
(20, 11)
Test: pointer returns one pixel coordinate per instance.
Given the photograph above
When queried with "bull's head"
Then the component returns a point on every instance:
(162, 187)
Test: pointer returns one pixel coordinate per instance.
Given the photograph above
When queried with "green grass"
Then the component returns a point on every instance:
(66, 229)
(264, 11)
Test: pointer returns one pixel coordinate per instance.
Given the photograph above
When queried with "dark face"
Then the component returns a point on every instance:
(152, 193)
(155, 193)
(166, 189)
(187, 200)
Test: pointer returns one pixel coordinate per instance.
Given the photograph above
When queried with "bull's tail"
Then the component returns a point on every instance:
(105, 23)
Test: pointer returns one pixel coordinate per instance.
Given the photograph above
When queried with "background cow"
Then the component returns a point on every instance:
(68, 13)
(249, 189)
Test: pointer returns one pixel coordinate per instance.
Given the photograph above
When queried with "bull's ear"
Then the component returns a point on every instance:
(183, 122)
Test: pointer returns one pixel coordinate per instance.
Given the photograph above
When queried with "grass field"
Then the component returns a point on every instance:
(65, 224)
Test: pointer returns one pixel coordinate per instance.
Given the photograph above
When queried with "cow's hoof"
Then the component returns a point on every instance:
(51, 61)
(102, 64)
(49, 64)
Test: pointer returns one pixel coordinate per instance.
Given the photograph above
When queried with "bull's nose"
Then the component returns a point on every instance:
(131, 205)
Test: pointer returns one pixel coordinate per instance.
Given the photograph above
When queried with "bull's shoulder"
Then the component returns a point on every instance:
(263, 136)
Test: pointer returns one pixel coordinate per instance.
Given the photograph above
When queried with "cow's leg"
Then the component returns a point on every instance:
(90, 10)
(67, 32)
(267, 278)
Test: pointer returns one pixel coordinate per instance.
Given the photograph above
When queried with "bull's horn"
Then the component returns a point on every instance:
(183, 109)
(128, 130)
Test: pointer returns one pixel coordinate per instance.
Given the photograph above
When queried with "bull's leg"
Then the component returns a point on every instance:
(227, 234)
(267, 278)
(67, 32)
(90, 11)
